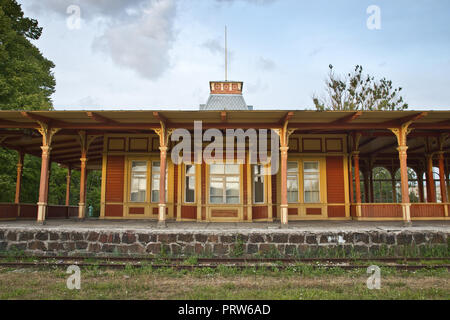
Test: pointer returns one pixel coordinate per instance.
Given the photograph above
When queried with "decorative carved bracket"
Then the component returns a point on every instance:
(85, 141)
(47, 133)
(402, 133)
(164, 134)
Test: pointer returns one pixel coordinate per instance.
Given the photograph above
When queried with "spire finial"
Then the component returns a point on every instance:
(226, 55)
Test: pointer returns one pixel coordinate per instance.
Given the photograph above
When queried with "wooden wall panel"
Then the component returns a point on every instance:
(113, 210)
(336, 211)
(313, 211)
(136, 210)
(427, 210)
(189, 212)
(8, 210)
(292, 212)
(260, 212)
(30, 211)
(115, 178)
(335, 180)
(224, 213)
(381, 211)
(274, 196)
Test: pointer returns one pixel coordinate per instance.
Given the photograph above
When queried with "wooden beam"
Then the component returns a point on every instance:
(288, 116)
(99, 118)
(223, 116)
(367, 142)
(383, 148)
(348, 118)
(401, 121)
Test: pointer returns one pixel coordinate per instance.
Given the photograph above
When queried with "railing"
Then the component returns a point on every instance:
(29, 211)
(427, 210)
(394, 210)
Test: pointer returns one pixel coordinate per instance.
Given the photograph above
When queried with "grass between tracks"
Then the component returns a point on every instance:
(296, 282)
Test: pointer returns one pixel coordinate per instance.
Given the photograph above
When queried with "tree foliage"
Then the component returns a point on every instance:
(357, 91)
(27, 83)
(26, 79)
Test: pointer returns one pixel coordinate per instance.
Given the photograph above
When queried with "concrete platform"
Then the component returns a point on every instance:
(106, 237)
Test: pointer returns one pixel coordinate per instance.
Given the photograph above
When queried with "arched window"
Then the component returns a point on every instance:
(413, 186)
(382, 185)
(437, 184)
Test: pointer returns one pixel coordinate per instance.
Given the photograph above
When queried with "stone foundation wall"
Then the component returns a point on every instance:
(220, 244)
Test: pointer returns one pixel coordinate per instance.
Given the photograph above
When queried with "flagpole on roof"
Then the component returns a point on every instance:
(226, 55)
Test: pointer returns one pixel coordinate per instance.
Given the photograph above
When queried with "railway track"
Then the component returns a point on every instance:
(399, 263)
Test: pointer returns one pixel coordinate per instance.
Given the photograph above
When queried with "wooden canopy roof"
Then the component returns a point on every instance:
(16, 127)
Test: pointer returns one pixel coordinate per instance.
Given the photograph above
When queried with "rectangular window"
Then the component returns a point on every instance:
(311, 176)
(138, 189)
(258, 183)
(155, 181)
(190, 184)
(224, 184)
(292, 182)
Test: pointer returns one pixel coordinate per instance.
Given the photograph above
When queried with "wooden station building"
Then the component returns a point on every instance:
(328, 161)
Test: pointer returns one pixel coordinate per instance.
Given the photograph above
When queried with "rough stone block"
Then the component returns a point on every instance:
(128, 238)
(280, 238)
(11, 236)
(201, 237)
(186, 237)
(37, 245)
(93, 236)
(296, 238)
(257, 238)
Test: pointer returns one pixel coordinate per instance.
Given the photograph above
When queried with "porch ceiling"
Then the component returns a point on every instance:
(17, 127)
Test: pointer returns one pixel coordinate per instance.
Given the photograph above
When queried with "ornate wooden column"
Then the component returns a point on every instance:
(164, 135)
(431, 187)
(284, 134)
(401, 133)
(420, 184)
(357, 183)
(442, 177)
(85, 142)
(69, 174)
(19, 177)
(47, 136)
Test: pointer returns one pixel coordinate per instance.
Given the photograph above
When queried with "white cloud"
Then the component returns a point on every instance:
(137, 34)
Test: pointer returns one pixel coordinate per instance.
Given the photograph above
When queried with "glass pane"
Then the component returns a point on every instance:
(311, 166)
(232, 179)
(292, 167)
(155, 196)
(257, 169)
(190, 189)
(232, 169)
(190, 170)
(312, 197)
(232, 189)
(216, 200)
(259, 189)
(232, 200)
(292, 184)
(155, 166)
(216, 189)
(217, 169)
(292, 196)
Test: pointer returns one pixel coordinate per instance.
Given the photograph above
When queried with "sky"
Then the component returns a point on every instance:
(161, 54)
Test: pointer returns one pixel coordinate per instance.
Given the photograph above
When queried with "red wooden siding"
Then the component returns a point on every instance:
(114, 178)
(189, 212)
(381, 211)
(245, 192)
(136, 211)
(335, 186)
(29, 211)
(313, 211)
(8, 210)
(203, 190)
(427, 210)
(175, 190)
(274, 195)
(260, 212)
(292, 212)
(222, 213)
(113, 210)
(155, 211)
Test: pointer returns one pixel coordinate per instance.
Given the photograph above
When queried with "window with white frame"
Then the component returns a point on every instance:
(138, 184)
(258, 183)
(156, 169)
(292, 182)
(311, 182)
(189, 195)
(224, 183)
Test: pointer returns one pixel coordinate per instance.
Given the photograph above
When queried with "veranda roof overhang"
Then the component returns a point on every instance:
(17, 127)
